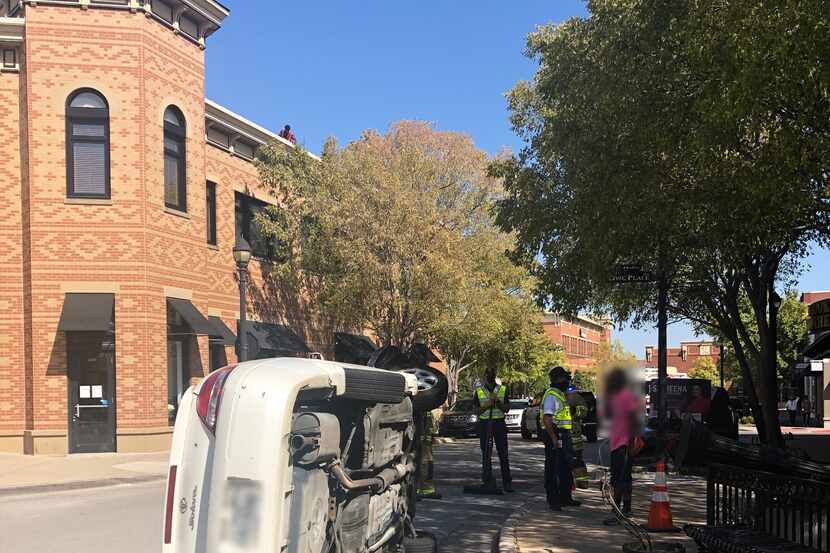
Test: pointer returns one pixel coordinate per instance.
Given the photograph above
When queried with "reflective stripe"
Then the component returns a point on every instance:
(561, 418)
(660, 497)
(484, 398)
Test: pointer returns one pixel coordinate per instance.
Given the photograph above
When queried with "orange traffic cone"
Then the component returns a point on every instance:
(659, 514)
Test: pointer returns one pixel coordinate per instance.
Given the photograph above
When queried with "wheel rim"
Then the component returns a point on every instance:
(426, 380)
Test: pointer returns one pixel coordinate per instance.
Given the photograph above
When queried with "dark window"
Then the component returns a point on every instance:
(246, 209)
(10, 58)
(175, 160)
(87, 145)
(210, 195)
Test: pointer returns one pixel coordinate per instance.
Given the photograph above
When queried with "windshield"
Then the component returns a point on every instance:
(518, 403)
(463, 406)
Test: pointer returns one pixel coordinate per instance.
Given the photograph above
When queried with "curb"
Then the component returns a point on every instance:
(507, 540)
(81, 485)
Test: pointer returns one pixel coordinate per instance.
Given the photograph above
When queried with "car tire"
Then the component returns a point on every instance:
(424, 543)
(526, 434)
(374, 386)
(433, 388)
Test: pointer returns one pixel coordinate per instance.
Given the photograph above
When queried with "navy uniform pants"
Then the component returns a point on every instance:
(558, 474)
(499, 437)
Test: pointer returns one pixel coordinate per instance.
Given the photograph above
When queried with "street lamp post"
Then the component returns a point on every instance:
(242, 255)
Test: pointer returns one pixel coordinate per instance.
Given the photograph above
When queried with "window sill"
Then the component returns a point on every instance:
(176, 212)
(87, 201)
(213, 247)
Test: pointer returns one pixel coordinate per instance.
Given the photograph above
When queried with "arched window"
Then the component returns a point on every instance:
(87, 145)
(175, 191)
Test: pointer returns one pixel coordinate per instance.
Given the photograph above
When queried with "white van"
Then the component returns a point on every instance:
(295, 455)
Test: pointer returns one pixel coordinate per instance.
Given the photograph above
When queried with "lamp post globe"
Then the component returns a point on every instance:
(242, 255)
(241, 252)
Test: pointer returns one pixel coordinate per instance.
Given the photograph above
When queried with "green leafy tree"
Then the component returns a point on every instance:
(585, 381)
(650, 140)
(380, 234)
(792, 338)
(706, 369)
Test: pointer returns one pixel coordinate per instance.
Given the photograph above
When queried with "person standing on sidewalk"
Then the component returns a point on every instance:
(806, 411)
(426, 466)
(579, 409)
(623, 407)
(556, 422)
(792, 409)
(491, 400)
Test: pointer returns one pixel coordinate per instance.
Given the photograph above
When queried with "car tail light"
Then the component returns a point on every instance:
(210, 396)
(168, 509)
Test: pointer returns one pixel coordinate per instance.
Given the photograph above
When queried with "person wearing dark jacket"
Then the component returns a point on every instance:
(720, 418)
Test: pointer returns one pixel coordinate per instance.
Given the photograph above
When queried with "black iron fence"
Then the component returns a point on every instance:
(793, 509)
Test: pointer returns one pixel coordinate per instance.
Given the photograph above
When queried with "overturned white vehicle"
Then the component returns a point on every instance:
(297, 455)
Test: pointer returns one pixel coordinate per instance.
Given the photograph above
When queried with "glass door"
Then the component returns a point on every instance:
(91, 371)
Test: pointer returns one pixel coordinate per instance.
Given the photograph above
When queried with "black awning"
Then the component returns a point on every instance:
(191, 315)
(272, 340)
(221, 333)
(88, 312)
(820, 348)
(352, 348)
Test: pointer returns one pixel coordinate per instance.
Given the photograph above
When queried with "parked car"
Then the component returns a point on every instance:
(530, 419)
(513, 418)
(293, 455)
(529, 425)
(461, 420)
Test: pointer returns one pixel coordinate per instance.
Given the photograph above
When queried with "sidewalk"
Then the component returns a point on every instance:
(534, 529)
(27, 473)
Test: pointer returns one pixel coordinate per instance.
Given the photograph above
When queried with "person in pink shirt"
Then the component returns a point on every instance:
(623, 409)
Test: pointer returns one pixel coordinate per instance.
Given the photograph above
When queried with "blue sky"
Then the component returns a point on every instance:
(335, 68)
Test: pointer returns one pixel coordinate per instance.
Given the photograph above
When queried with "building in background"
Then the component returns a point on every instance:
(684, 357)
(812, 375)
(580, 338)
(123, 190)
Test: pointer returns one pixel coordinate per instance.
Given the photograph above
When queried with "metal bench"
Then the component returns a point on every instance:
(751, 511)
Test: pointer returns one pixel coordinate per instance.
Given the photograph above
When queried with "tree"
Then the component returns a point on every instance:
(792, 337)
(705, 369)
(650, 141)
(382, 234)
(585, 381)
(610, 355)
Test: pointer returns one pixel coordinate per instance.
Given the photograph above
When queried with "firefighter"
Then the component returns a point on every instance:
(579, 409)
(426, 466)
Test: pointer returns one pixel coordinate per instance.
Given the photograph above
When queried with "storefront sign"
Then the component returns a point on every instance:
(819, 316)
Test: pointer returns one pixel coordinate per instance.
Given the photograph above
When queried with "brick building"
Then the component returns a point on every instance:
(683, 358)
(122, 191)
(580, 338)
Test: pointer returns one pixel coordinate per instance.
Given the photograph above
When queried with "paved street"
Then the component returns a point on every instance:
(127, 518)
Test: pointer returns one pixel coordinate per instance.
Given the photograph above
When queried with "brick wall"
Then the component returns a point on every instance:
(685, 357)
(580, 339)
(12, 359)
(131, 245)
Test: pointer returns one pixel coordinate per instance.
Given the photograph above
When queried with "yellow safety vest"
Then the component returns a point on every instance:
(484, 397)
(561, 418)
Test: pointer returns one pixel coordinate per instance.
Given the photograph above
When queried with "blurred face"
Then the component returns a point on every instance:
(490, 374)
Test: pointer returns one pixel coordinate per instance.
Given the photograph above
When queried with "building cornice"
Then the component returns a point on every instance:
(238, 127)
(11, 30)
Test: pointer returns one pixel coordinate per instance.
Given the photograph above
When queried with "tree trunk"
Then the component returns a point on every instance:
(769, 373)
(749, 388)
